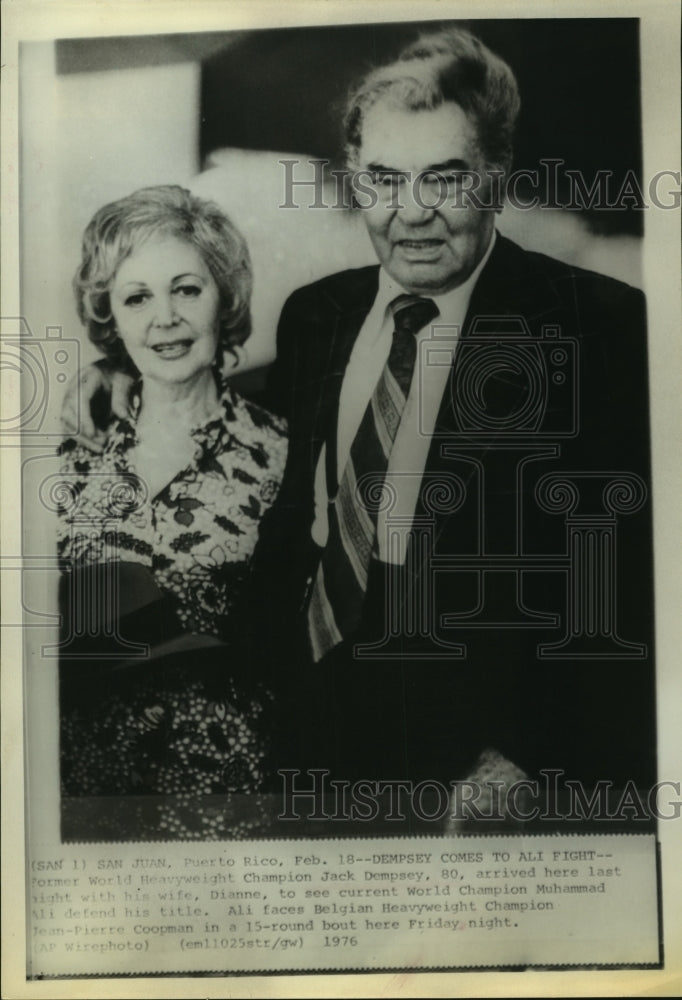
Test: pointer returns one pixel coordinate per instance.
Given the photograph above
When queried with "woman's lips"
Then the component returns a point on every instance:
(172, 351)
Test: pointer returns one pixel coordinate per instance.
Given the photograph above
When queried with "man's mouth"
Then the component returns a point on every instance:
(433, 242)
(173, 350)
(424, 248)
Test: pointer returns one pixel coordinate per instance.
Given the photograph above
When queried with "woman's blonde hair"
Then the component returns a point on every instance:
(119, 228)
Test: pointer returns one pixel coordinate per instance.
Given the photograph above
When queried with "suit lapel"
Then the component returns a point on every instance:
(512, 284)
(348, 299)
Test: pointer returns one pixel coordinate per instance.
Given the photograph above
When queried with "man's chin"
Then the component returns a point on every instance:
(424, 279)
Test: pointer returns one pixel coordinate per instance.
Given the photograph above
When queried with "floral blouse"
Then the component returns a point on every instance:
(180, 753)
(196, 535)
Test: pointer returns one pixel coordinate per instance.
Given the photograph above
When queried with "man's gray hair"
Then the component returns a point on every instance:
(447, 66)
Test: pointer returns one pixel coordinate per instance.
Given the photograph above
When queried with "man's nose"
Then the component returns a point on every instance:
(414, 205)
(165, 313)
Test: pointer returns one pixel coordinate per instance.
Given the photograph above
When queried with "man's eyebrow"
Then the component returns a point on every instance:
(454, 164)
(379, 168)
(441, 168)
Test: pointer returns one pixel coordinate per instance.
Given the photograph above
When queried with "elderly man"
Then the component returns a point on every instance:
(468, 420)
(418, 560)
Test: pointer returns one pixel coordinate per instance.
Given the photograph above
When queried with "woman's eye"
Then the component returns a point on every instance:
(136, 300)
(188, 291)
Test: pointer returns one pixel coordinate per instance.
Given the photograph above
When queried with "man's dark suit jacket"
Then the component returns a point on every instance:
(521, 405)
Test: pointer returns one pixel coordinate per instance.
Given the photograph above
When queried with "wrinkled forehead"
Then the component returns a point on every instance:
(399, 138)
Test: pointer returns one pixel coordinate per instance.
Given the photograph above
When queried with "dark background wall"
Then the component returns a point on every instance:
(285, 89)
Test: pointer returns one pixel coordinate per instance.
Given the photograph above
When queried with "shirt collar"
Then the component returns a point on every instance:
(452, 305)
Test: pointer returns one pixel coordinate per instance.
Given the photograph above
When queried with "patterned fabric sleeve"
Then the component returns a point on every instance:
(75, 467)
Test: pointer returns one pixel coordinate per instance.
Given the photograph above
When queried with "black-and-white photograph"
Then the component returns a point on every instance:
(441, 609)
(334, 355)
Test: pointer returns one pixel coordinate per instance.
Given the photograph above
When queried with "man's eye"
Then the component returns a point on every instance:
(387, 179)
(449, 179)
(435, 178)
(187, 291)
(455, 176)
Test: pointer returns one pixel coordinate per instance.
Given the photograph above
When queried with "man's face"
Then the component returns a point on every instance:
(418, 159)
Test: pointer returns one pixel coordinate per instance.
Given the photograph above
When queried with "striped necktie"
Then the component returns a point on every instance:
(338, 593)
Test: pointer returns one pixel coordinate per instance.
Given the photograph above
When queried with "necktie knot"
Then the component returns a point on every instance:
(411, 313)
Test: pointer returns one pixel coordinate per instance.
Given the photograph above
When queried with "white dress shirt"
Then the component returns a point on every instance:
(436, 344)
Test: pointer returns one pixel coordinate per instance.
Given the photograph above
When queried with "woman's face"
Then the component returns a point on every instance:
(166, 306)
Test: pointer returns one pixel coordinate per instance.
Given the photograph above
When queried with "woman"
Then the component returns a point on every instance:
(173, 503)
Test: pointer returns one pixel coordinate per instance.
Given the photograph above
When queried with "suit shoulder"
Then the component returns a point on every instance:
(581, 282)
(341, 288)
